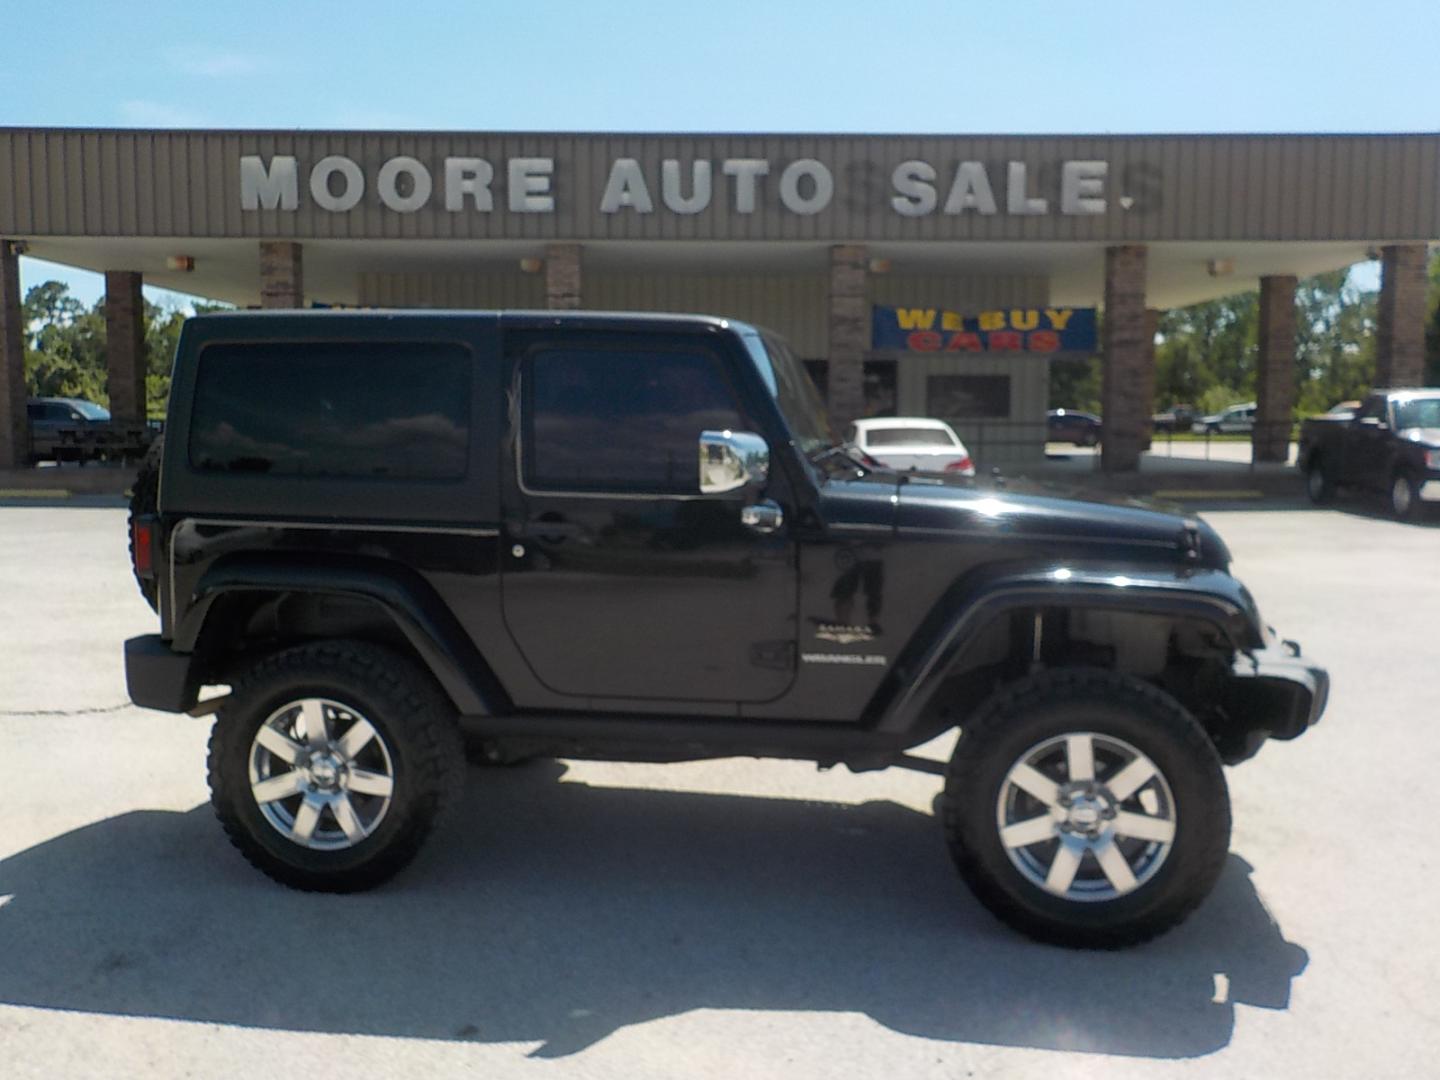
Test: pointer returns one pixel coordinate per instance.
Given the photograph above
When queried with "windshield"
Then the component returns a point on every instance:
(794, 392)
(908, 436)
(90, 411)
(1422, 413)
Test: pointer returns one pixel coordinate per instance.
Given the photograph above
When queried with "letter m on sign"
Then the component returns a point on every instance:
(277, 187)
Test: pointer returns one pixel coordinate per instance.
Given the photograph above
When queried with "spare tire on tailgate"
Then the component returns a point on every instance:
(145, 499)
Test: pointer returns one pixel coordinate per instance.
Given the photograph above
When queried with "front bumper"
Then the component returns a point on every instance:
(157, 677)
(1273, 693)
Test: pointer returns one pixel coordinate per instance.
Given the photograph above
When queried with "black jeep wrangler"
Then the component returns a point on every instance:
(634, 537)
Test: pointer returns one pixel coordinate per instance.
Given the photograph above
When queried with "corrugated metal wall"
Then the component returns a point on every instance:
(473, 291)
(68, 182)
(793, 305)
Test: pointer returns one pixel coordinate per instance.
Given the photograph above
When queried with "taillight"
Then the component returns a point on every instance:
(964, 465)
(143, 547)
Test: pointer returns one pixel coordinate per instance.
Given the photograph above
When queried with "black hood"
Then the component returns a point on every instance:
(1078, 522)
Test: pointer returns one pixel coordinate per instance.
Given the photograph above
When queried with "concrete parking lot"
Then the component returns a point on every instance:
(725, 919)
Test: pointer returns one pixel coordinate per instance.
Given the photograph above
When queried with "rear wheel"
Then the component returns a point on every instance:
(330, 764)
(1087, 808)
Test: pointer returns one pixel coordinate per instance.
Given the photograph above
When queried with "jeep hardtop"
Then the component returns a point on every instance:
(371, 536)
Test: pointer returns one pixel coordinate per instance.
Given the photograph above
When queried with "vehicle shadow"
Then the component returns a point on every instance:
(559, 913)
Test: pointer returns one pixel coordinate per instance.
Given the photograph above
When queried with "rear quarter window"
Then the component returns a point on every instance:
(375, 410)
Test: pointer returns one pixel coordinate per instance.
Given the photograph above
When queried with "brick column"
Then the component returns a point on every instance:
(1400, 330)
(282, 274)
(562, 276)
(1129, 367)
(125, 346)
(14, 429)
(1275, 370)
(849, 333)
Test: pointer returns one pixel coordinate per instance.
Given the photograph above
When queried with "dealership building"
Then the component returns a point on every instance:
(919, 275)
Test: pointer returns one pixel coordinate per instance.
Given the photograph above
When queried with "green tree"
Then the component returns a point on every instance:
(1075, 383)
(1334, 342)
(64, 346)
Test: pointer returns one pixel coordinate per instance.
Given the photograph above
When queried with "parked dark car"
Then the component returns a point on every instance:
(1067, 425)
(635, 538)
(59, 427)
(1178, 417)
(1391, 443)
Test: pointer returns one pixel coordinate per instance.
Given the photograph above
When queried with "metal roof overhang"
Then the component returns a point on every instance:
(1179, 272)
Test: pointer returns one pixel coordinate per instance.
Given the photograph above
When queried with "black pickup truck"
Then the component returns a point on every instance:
(635, 538)
(1391, 444)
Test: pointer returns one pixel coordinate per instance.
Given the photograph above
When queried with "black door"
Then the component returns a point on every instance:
(620, 579)
(1365, 458)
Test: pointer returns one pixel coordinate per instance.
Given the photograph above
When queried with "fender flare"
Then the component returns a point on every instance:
(399, 592)
(1209, 595)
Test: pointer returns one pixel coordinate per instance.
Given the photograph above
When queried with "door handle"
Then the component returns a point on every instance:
(551, 528)
(762, 517)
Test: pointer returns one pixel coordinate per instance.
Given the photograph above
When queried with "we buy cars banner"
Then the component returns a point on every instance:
(1036, 330)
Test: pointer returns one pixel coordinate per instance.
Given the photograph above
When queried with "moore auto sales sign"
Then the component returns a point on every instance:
(802, 186)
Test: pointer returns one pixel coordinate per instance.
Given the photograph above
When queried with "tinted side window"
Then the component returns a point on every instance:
(377, 410)
(621, 419)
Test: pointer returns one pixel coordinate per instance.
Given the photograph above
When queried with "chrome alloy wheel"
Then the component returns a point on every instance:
(1086, 817)
(321, 774)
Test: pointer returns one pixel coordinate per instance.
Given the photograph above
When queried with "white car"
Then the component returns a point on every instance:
(912, 442)
(1236, 419)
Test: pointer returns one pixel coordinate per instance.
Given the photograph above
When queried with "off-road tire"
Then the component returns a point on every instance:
(410, 714)
(145, 499)
(1087, 700)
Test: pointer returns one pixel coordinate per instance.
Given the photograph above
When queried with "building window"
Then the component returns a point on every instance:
(968, 397)
(380, 410)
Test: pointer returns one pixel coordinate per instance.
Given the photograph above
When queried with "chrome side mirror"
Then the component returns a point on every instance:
(730, 460)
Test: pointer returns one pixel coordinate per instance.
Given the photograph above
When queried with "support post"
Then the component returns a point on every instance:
(1128, 373)
(282, 274)
(563, 283)
(125, 346)
(1275, 374)
(1400, 329)
(14, 427)
(849, 333)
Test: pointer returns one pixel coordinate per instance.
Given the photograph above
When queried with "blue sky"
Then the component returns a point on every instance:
(635, 65)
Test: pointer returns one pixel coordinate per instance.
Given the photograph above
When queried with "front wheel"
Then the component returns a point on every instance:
(1087, 808)
(1319, 484)
(1404, 496)
(330, 764)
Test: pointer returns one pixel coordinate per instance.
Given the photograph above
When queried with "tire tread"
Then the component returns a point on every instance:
(1070, 684)
(422, 716)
